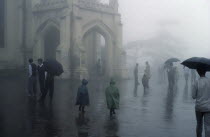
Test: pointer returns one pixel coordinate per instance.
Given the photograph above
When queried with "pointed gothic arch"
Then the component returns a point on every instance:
(47, 40)
(94, 28)
(101, 27)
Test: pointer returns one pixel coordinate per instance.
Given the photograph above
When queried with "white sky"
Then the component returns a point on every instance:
(188, 19)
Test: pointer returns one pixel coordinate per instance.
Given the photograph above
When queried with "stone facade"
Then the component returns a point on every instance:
(58, 29)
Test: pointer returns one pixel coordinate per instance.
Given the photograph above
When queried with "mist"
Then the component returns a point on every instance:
(186, 20)
(104, 68)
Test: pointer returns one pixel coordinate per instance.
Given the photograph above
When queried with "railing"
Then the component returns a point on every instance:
(100, 5)
(104, 1)
(50, 4)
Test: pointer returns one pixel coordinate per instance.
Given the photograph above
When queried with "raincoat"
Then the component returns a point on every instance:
(112, 96)
(82, 94)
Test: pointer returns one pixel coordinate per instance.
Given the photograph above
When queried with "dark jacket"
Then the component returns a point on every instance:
(41, 72)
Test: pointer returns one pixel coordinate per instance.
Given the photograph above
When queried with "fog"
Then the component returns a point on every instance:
(66, 71)
(187, 20)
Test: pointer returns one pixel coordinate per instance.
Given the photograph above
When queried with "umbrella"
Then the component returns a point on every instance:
(197, 62)
(53, 67)
(171, 60)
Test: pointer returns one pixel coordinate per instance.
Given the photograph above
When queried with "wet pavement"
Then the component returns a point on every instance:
(156, 112)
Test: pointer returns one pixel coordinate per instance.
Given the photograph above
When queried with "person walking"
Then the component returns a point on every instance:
(147, 74)
(49, 86)
(32, 78)
(136, 72)
(145, 82)
(148, 70)
(42, 76)
(171, 76)
(200, 93)
(112, 97)
(82, 96)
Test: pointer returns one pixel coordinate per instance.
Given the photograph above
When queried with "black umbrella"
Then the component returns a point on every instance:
(53, 67)
(197, 63)
(171, 60)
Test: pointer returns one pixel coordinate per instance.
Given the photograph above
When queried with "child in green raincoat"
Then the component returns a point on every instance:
(112, 97)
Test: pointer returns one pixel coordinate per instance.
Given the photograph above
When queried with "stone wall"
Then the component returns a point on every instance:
(11, 55)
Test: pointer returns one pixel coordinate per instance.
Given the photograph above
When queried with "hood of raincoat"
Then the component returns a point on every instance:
(84, 82)
(112, 82)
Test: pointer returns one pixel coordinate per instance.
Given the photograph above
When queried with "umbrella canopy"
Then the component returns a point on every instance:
(53, 67)
(197, 63)
(171, 60)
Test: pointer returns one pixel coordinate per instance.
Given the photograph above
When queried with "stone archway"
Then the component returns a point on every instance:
(51, 42)
(47, 40)
(98, 63)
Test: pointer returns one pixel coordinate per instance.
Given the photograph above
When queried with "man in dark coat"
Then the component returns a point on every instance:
(49, 85)
(82, 96)
(41, 72)
(32, 78)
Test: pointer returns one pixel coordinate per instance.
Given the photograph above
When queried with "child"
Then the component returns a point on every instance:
(82, 96)
(112, 97)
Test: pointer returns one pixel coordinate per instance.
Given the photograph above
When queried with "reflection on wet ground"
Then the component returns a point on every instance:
(154, 112)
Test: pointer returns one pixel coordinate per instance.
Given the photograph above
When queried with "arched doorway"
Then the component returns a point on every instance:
(51, 42)
(96, 47)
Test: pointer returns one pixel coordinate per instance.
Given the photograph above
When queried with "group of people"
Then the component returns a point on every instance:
(112, 97)
(45, 78)
(146, 76)
(187, 73)
(46, 84)
(200, 91)
(172, 75)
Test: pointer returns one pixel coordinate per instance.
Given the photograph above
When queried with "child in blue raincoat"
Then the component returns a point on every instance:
(82, 96)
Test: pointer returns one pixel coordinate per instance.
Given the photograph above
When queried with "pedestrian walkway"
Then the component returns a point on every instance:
(154, 113)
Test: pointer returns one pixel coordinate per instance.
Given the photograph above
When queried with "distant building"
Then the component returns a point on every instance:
(156, 50)
(66, 30)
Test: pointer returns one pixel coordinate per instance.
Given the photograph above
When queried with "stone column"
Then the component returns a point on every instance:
(63, 49)
(109, 58)
(78, 71)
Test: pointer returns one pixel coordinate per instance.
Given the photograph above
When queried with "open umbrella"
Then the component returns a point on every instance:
(171, 60)
(197, 62)
(53, 67)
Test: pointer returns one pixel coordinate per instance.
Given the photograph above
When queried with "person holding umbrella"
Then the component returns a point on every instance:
(171, 71)
(53, 68)
(200, 92)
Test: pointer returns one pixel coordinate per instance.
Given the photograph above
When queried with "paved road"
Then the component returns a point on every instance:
(153, 113)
